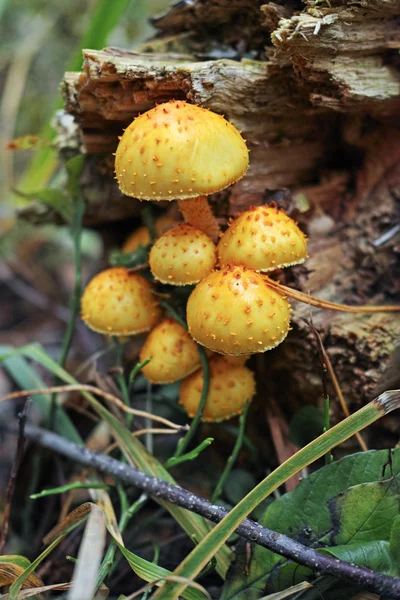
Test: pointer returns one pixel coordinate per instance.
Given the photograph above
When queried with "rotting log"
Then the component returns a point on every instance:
(316, 93)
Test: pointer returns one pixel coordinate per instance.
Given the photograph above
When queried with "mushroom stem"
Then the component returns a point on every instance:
(198, 213)
(307, 299)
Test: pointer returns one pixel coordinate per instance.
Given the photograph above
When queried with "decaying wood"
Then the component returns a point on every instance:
(316, 93)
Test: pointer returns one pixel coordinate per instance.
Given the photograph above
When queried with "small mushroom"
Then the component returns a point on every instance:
(183, 255)
(141, 235)
(263, 238)
(174, 355)
(233, 312)
(231, 387)
(117, 302)
(181, 151)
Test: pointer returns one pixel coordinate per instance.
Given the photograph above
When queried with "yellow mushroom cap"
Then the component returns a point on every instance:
(179, 150)
(182, 256)
(141, 235)
(263, 239)
(231, 387)
(174, 353)
(116, 302)
(233, 311)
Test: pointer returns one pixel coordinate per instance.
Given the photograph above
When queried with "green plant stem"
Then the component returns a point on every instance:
(232, 459)
(329, 455)
(185, 441)
(76, 485)
(173, 461)
(76, 230)
(137, 368)
(148, 221)
(121, 379)
(147, 422)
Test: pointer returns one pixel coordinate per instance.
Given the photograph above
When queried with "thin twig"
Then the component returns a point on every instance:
(248, 529)
(327, 366)
(98, 392)
(317, 302)
(19, 453)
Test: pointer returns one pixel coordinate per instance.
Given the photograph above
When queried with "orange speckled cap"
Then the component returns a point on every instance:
(233, 311)
(179, 150)
(174, 353)
(263, 239)
(231, 387)
(182, 256)
(117, 302)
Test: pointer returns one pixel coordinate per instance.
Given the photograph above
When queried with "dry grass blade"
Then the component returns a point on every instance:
(59, 389)
(89, 557)
(55, 587)
(318, 303)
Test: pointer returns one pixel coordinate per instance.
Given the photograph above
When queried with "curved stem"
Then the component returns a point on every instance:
(184, 442)
(232, 459)
(307, 299)
(197, 212)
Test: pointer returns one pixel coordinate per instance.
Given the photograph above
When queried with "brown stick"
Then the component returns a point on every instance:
(317, 302)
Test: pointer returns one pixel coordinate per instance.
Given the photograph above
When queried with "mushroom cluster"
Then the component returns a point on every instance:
(179, 151)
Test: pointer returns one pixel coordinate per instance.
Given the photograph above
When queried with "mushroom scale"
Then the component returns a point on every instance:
(174, 353)
(179, 150)
(182, 256)
(263, 238)
(233, 312)
(117, 302)
(231, 387)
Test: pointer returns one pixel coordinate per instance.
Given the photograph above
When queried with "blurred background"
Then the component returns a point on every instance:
(40, 41)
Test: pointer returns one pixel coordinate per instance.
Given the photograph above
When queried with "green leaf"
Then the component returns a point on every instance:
(395, 539)
(74, 168)
(27, 378)
(16, 559)
(310, 515)
(150, 571)
(363, 513)
(52, 197)
(375, 555)
(307, 424)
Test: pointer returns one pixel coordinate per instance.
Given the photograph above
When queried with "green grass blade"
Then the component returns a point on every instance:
(192, 565)
(196, 527)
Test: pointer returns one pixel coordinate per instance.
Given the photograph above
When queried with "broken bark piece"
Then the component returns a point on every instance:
(260, 101)
(342, 53)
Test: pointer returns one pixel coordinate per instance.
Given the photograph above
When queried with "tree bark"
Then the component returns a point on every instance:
(316, 93)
